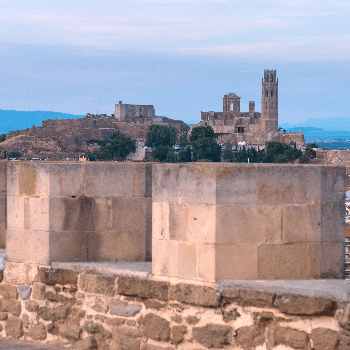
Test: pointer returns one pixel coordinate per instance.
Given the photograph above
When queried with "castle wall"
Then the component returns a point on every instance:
(3, 217)
(78, 211)
(248, 221)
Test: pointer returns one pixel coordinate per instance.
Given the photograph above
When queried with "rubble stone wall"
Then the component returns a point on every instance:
(94, 311)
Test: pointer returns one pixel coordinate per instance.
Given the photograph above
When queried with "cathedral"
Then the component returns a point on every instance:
(253, 127)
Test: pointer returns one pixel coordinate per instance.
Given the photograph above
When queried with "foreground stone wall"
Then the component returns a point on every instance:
(248, 221)
(92, 311)
(78, 212)
(3, 176)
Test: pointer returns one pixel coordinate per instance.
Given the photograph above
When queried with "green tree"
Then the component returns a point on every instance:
(161, 153)
(227, 155)
(200, 132)
(117, 147)
(185, 154)
(2, 137)
(206, 148)
(14, 154)
(161, 135)
(312, 145)
(279, 152)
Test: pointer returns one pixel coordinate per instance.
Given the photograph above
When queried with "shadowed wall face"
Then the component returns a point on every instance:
(253, 221)
(81, 212)
(3, 171)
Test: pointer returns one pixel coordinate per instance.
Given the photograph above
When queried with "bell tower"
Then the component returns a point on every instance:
(269, 101)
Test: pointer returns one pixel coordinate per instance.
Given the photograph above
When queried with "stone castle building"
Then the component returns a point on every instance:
(252, 127)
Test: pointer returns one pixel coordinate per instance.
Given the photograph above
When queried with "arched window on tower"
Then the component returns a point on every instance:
(271, 105)
(231, 106)
(271, 78)
(266, 105)
(271, 93)
(267, 93)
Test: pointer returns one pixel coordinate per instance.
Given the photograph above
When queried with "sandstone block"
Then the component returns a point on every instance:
(38, 332)
(115, 321)
(54, 314)
(178, 333)
(206, 262)
(12, 180)
(92, 327)
(195, 295)
(148, 346)
(155, 327)
(38, 291)
(8, 291)
(331, 259)
(125, 332)
(24, 292)
(97, 284)
(119, 308)
(165, 183)
(187, 260)
(55, 297)
(201, 223)
(161, 264)
(143, 180)
(160, 220)
(178, 221)
(107, 179)
(14, 328)
(290, 337)
(117, 245)
(3, 225)
(295, 258)
(32, 306)
(70, 331)
(15, 212)
(143, 288)
(85, 344)
(344, 344)
(27, 179)
(3, 176)
(3, 316)
(193, 320)
(324, 339)
(236, 261)
(213, 335)
(304, 305)
(250, 337)
(247, 297)
(236, 185)
(288, 190)
(63, 277)
(12, 306)
(36, 214)
(126, 343)
(26, 246)
(154, 304)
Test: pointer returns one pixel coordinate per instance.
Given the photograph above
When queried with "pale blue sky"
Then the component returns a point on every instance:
(181, 56)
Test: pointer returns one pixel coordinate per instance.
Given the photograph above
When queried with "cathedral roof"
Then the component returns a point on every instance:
(232, 95)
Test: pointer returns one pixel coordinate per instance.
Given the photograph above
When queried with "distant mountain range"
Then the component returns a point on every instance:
(18, 120)
(327, 124)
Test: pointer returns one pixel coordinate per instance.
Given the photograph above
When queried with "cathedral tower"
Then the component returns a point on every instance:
(269, 101)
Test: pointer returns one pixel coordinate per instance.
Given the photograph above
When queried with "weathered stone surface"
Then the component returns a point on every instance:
(247, 297)
(70, 331)
(24, 292)
(212, 335)
(143, 288)
(1, 327)
(126, 344)
(250, 337)
(126, 338)
(55, 297)
(289, 337)
(14, 328)
(3, 316)
(38, 291)
(52, 277)
(20, 274)
(97, 284)
(92, 327)
(155, 327)
(55, 314)
(193, 320)
(8, 291)
(32, 306)
(85, 344)
(303, 305)
(25, 319)
(119, 308)
(324, 339)
(229, 313)
(99, 304)
(194, 294)
(344, 344)
(115, 321)
(12, 306)
(1, 275)
(154, 304)
(177, 318)
(100, 317)
(148, 346)
(38, 332)
(178, 333)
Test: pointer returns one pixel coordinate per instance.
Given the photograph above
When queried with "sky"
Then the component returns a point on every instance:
(182, 56)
